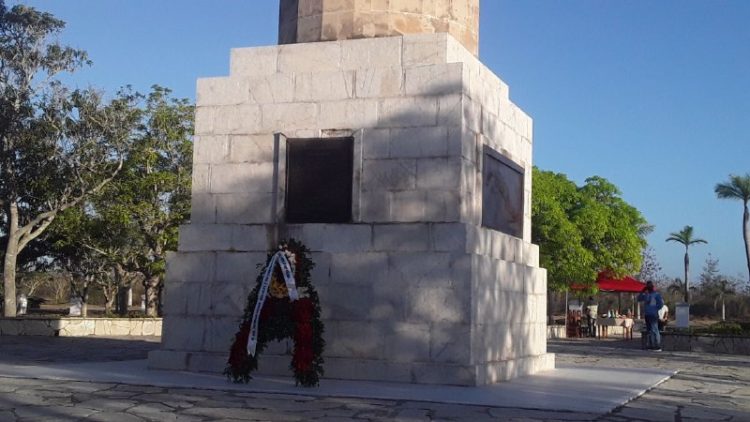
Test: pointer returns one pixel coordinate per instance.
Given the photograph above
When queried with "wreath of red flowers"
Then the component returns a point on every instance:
(281, 318)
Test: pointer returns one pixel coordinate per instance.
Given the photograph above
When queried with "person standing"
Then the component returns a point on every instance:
(591, 310)
(652, 303)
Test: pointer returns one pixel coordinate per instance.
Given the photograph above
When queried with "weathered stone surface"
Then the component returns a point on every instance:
(415, 289)
(304, 21)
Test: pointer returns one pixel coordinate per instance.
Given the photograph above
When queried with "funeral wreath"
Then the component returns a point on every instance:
(283, 304)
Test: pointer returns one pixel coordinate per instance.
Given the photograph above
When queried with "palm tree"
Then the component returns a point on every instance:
(738, 187)
(685, 237)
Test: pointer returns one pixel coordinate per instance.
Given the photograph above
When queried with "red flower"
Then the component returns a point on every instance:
(303, 310)
(303, 358)
(238, 353)
(303, 334)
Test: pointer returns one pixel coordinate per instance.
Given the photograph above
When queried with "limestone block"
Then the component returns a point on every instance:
(236, 119)
(438, 173)
(379, 82)
(189, 298)
(440, 373)
(345, 301)
(221, 91)
(535, 280)
(250, 238)
(275, 88)
(450, 110)
(9, 327)
(152, 327)
(408, 342)
(210, 149)
(440, 79)
(321, 56)
(278, 117)
(530, 254)
(449, 237)
(359, 113)
(323, 86)
(408, 206)
(371, 53)
(442, 206)
(401, 237)
(167, 359)
(419, 142)
(196, 266)
(333, 238)
(375, 143)
(238, 266)
(220, 333)
(321, 273)
(250, 208)
(202, 208)
(450, 343)
(365, 268)
(437, 304)
(183, 333)
(457, 53)
(204, 120)
(424, 49)
(242, 178)
(207, 362)
(355, 340)
(472, 115)
(201, 178)
(135, 327)
(407, 112)
(73, 328)
(251, 148)
(389, 300)
(375, 206)
(205, 237)
(393, 174)
(253, 62)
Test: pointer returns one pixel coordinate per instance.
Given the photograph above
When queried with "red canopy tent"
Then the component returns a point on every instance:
(622, 285)
(607, 284)
(626, 284)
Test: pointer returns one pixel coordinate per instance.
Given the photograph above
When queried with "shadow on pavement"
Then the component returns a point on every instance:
(30, 350)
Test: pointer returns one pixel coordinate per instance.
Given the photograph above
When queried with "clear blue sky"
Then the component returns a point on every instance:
(652, 95)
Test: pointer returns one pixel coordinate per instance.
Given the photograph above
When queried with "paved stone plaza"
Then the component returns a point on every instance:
(707, 387)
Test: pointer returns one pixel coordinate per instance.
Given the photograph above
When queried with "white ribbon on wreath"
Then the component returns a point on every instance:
(287, 271)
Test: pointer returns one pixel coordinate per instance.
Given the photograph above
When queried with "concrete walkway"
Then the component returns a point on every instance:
(44, 379)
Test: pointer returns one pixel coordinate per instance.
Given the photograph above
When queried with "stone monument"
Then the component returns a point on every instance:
(374, 135)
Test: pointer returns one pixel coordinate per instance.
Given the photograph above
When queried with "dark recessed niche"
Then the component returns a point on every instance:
(319, 180)
(502, 193)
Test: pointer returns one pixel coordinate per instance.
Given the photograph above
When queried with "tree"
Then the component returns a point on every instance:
(584, 230)
(650, 267)
(715, 285)
(154, 187)
(560, 241)
(738, 187)
(685, 237)
(57, 146)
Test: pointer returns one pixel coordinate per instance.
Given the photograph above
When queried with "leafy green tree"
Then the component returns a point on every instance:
(56, 146)
(583, 230)
(686, 238)
(612, 229)
(560, 241)
(153, 190)
(738, 188)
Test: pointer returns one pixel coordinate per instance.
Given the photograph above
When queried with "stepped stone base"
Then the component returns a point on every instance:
(415, 287)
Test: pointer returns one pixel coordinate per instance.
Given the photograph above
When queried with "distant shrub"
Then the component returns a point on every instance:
(724, 327)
